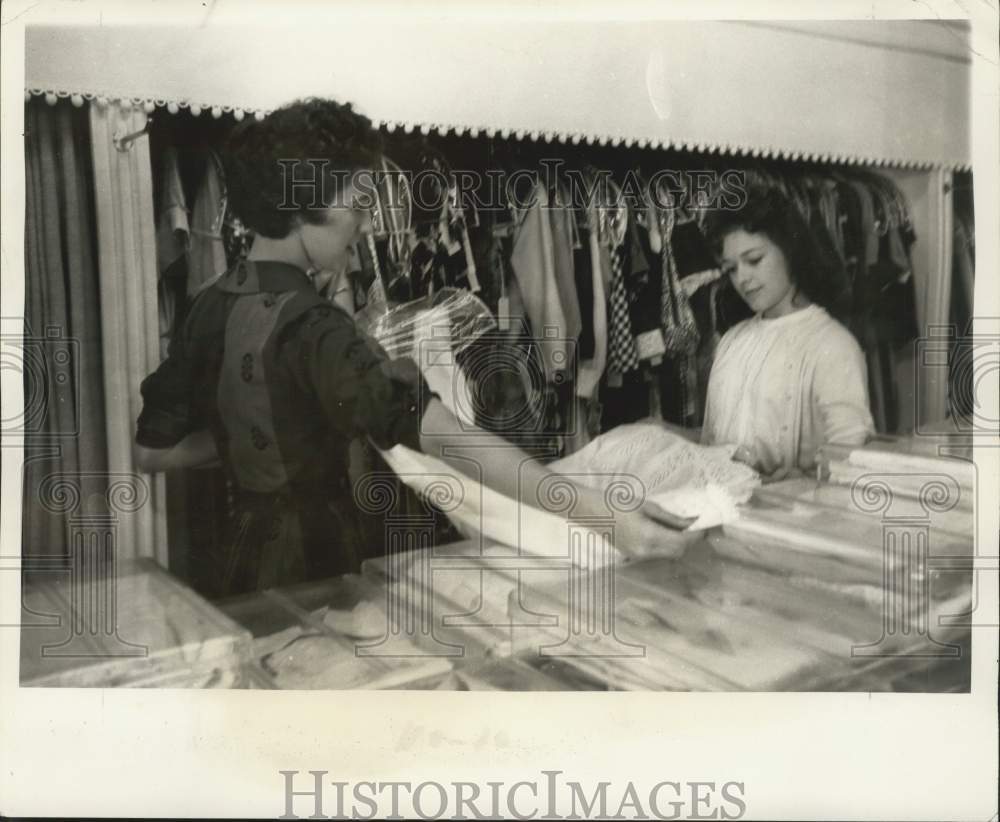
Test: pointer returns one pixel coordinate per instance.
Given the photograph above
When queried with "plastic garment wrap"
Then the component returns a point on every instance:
(453, 313)
(434, 334)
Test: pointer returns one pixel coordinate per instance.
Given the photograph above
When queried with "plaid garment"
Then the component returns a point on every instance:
(622, 354)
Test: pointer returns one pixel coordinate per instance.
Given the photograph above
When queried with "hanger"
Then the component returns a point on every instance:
(617, 215)
(123, 142)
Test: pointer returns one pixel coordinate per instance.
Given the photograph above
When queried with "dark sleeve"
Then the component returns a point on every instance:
(166, 416)
(360, 389)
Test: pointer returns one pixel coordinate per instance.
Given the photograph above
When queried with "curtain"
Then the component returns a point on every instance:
(63, 368)
(126, 244)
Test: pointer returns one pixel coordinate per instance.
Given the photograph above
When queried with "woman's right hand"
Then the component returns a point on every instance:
(652, 532)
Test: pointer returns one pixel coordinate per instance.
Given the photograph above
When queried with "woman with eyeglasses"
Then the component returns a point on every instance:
(273, 380)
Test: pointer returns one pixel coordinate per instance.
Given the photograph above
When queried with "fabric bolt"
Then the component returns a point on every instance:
(207, 254)
(283, 381)
(783, 387)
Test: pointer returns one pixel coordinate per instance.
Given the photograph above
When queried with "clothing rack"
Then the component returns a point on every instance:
(457, 247)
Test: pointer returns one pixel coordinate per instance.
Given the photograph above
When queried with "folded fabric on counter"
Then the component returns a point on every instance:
(682, 477)
(477, 509)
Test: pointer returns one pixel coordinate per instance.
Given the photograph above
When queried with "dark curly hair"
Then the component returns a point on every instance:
(312, 130)
(817, 272)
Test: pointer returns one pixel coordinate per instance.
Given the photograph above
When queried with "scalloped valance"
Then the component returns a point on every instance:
(871, 93)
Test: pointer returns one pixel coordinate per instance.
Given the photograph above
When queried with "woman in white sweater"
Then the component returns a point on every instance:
(791, 377)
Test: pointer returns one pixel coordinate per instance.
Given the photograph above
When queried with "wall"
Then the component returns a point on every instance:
(876, 91)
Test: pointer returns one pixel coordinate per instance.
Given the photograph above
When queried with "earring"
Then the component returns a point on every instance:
(313, 269)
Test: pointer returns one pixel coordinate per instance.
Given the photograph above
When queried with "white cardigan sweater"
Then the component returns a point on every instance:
(783, 387)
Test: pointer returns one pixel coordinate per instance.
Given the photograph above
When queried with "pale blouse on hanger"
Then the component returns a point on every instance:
(782, 387)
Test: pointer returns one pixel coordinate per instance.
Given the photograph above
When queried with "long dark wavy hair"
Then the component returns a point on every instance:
(312, 130)
(817, 271)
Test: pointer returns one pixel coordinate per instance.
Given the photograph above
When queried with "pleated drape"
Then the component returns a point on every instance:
(63, 365)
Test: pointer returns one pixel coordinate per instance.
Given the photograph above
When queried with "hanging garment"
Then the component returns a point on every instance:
(583, 273)
(207, 254)
(782, 387)
(853, 241)
(964, 268)
(829, 212)
(692, 255)
(886, 299)
(680, 331)
(704, 305)
(591, 370)
(643, 281)
(961, 394)
(622, 354)
(172, 239)
(564, 240)
(868, 233)
(533, 262)
(172, 227)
